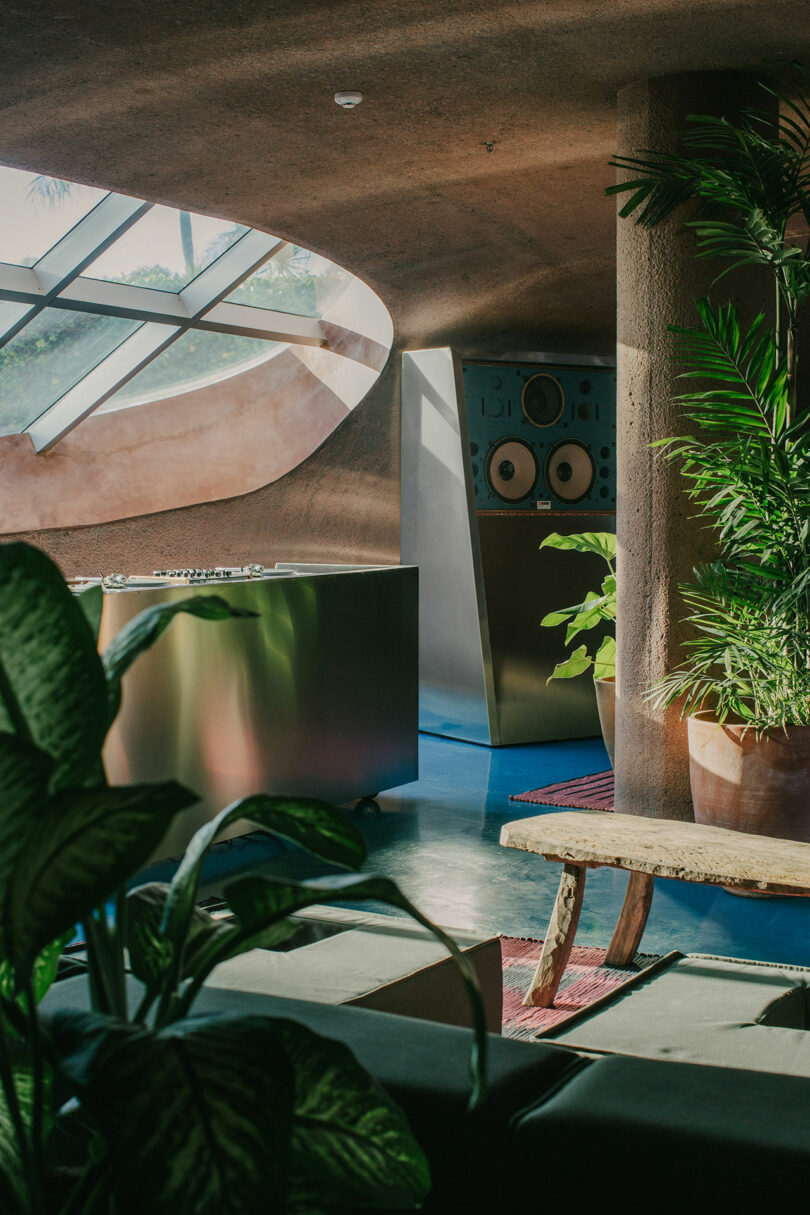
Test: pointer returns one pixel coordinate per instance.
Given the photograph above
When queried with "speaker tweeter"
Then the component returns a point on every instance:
(542, 399)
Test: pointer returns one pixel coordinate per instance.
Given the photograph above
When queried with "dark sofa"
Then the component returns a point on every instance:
(563, 1129)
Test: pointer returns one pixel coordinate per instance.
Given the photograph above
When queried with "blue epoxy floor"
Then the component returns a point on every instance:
(438, 838)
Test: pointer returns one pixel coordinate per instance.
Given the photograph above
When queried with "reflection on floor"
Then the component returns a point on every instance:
(438, 838)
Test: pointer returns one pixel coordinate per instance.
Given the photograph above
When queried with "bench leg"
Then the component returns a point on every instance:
(559, 939)
(632, 920)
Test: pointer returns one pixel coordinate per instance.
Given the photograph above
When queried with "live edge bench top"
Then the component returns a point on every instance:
(688, 852)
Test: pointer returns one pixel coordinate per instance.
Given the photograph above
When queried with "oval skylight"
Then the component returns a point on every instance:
(109, 301)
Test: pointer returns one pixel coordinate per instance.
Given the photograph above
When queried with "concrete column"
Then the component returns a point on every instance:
(658, 279)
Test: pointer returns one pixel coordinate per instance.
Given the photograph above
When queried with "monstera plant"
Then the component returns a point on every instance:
(598, 608)
(117, 1108)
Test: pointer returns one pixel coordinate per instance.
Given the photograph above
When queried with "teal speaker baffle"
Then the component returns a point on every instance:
(542, 436)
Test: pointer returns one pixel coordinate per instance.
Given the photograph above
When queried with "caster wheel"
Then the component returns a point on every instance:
(368, 805)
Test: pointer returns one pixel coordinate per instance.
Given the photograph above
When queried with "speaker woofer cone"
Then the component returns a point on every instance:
(542, 399)
(511, 470)
(570, 471)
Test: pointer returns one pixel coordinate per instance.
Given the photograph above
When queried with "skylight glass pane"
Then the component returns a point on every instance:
(37, 212)
(46, 358)
(196, 359)
(295, 280)
(165, 249)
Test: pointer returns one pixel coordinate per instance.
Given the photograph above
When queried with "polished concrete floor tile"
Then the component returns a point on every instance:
(438, 838)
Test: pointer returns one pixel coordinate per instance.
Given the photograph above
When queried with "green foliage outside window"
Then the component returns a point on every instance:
(285, 284)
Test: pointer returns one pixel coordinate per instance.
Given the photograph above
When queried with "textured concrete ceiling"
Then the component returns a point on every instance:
(226, 107)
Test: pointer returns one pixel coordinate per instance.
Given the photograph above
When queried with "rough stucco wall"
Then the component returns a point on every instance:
(342, 504)
(227, 109)
(659, 540)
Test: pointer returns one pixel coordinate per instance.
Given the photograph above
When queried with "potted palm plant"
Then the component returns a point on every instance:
(598, 607)
(745, 681)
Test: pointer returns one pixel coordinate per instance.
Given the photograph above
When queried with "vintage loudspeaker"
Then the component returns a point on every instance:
(496, 456)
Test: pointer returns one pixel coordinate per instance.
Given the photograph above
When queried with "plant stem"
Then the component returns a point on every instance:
(146, 1003)
(84, 1199)
(38, 1094)
(100, 993)
(118, 936)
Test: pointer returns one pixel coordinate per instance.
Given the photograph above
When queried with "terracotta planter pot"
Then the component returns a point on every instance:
(606, 706)
(749, 784)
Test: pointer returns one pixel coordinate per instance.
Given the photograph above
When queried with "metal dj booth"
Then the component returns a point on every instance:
(496, 455)
(316, 695)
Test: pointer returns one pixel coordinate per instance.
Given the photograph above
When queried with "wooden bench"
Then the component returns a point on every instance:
(649, 847)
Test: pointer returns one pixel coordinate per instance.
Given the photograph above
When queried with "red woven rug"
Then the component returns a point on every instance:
(586, 979)
(594, 792)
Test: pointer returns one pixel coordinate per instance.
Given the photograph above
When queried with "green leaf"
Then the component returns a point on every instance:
(52, 686)
(574, 665)
(24, 775)
(558, 617)
(259, 902)
(350, 1143)
(604, 664)
(196, 1117)
(317, 826)
(601, 543)
(43, 972)
(140, 633)
(87, 844)
(14, 1193)
(593, 611)
(91, 602)
(151, 951)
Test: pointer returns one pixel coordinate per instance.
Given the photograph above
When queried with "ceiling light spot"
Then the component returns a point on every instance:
(348, 99)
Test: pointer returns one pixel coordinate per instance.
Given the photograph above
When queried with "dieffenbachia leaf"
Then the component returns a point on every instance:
(151, 950)
(220, 1115)
(15, 1197)
(91, 602)
(53, 692)
(87, 843)
(43, 973)
(24, 775)
(351, 1145)
(195, 1117)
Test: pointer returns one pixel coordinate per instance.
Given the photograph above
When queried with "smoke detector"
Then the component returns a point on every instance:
(349, 99)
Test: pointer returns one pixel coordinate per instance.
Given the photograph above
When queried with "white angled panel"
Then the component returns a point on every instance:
(19, 283)
(230, 268)
(249, 321)
(123, 299)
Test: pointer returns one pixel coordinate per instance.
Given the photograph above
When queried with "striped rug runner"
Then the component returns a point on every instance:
(586, 979)
(594, 792)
